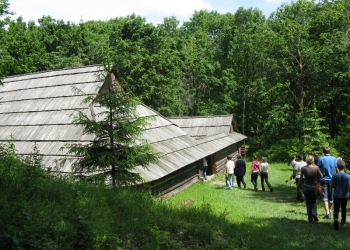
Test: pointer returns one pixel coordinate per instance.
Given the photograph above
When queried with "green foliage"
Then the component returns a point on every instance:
(314, 139)
(268, 72)
(279, 151)
(342, 142)
(305, 136)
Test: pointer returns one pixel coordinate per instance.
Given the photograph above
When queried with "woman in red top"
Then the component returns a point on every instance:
(254, 172)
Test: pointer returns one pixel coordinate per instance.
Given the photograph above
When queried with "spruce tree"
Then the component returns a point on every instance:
(117, 148)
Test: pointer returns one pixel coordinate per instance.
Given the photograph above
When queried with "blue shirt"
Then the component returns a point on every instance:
(341, 183)
(327, 165)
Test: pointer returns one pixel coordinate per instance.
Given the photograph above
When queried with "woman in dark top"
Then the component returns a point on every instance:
(240, 170)
(309, 175)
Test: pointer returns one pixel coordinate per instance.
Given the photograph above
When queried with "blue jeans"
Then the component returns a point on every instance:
(328, 194)
(254, 179)
(265, 176)
(300, 192)
(310, 200)
(205, 168)
(230, 181)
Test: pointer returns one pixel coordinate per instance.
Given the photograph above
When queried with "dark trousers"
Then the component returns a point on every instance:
(254, 179)
(310, 200)
(240, 179)
(300, 191)
(265, 177)
(340, 203)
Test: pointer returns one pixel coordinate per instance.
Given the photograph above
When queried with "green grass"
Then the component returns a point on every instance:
(38, 211)
(265, 220)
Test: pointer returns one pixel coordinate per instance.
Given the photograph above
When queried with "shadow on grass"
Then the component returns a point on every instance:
(284, 233)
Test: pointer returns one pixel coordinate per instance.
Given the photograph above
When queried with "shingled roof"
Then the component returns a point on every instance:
(204, 126)
(37, 108)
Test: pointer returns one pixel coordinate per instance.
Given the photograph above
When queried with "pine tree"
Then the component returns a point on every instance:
(117, 147)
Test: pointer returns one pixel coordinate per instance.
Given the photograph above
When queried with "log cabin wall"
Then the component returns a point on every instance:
(176, 181)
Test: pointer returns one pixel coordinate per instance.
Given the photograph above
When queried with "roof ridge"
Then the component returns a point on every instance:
(53, 70)
(207, 116)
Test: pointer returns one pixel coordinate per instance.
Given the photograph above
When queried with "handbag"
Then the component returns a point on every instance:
(318, 186)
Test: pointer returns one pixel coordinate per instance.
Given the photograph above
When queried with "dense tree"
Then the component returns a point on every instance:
(210, 84)
(330, 31)
(247, 56)
(285, 77)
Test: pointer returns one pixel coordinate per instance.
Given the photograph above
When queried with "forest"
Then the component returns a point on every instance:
(285, 78)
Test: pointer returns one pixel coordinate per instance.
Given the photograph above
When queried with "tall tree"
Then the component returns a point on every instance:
(330, 29)
(294, 52)
(245, 53)
(210, 84)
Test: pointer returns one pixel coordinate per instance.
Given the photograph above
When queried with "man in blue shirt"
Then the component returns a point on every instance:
(327, 165)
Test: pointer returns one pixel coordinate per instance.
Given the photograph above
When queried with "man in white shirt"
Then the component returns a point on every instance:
(297, 170)
(230, 167)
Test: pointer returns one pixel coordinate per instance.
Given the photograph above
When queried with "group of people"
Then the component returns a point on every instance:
(330, 172)
(238, 169)
(327, 170)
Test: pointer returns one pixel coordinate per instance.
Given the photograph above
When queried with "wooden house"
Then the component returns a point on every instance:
(36, 109)
(221, 130)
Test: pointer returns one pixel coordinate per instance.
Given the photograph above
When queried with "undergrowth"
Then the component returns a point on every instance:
(39, 211)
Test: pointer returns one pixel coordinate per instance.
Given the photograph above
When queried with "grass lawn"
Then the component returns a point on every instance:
(266, 220)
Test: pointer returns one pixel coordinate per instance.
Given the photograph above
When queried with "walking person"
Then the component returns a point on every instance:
(230, 167)
(292, 162)
(264, 174)
(316, 158)
(340, 157)
(341, 184)
(254, 173)
(297, 170)
(226, 176)
(309, 175)
(327, 164)
(205, 168)
(240, 170)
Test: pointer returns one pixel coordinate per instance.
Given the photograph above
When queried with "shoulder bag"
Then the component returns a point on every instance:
(318, 186)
